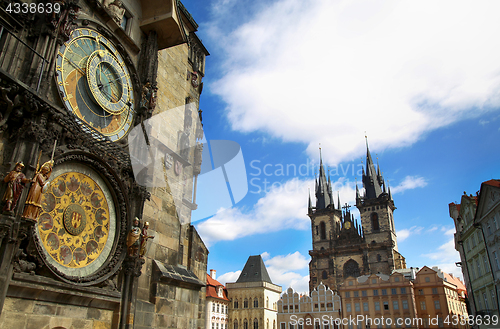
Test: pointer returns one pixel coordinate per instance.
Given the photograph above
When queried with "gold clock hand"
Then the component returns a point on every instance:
(75, 66)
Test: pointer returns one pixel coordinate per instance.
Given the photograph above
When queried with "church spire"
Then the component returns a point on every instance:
(309, 208)
(322, 187)
(371, 179)
(358, 196)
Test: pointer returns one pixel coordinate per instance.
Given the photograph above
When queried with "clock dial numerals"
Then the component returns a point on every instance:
(74, 223)
(95, 84)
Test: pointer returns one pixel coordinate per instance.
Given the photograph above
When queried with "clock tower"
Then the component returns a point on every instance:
(85, 239)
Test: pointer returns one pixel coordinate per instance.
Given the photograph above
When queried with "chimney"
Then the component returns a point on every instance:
(212, 274)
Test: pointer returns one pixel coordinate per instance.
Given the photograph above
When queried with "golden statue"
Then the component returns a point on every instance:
(33, 205)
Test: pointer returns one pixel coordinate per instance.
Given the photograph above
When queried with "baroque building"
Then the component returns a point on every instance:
(217, 304)
(341, 246)
(100, 139)
(477, 223)
(253, 297)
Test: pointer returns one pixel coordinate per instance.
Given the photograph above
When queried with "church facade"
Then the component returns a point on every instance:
(99, 149)
(341, 246)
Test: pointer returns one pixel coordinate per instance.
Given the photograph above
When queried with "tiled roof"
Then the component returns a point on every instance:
(212, 289)
(493, 182)
(254, 271)
(456, 281)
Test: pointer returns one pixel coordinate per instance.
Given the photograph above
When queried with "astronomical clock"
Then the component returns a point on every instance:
(95, 83)
(82, 225)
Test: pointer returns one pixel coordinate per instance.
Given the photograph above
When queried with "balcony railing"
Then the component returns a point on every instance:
(20, 60)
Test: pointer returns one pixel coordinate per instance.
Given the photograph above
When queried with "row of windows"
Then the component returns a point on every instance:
(222, 326)
(364, 293)
(291, 307)
(482, 300)
(377, 305)
(247, 302)
(219, 308)
(475, 268)
(422, 291)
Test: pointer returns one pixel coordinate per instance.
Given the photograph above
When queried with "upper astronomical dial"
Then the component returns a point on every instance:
(107, 82)
(95, 83)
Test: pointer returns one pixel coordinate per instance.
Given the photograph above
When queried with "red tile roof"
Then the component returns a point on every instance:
(493, 182)
(212, 289)
(456, 281)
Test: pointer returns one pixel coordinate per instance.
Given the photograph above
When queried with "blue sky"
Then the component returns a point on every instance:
(422, 79)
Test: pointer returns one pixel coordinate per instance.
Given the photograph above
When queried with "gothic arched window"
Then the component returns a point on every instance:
(245, 324)
(379, 258)
(325, 275)
(322, 230)
(235, 326)
(255, 302)
(245, 303)
(235, 304)
(351, 268)
(375, 224)
(255, 324)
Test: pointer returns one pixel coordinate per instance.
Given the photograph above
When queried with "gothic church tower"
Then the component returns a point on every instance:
(341, 247)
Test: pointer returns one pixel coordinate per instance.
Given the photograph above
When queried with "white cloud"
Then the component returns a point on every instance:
(445, 258)
(284, 206)
(282, 270)
(409, 183)
(405, 233)
(327, 71)
(229, 277)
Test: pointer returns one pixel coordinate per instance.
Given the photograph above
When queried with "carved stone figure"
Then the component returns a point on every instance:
(116, 9)
(15, 184)
(134, 238)
(144, 238)
(33, 205)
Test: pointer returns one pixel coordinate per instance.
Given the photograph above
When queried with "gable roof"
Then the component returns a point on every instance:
(254, 271)
(212, 289)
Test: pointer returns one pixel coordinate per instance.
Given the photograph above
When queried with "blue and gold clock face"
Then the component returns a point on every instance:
(95, 84)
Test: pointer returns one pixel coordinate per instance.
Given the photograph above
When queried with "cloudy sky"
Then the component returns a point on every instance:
(420, 78)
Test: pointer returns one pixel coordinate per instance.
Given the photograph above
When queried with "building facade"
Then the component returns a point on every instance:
(253, 298)
(376, 297)
(439, 299)
(475, 260)
(488, 217)
(85, 86)
(217, 304)
(319, 310)
(342, 247)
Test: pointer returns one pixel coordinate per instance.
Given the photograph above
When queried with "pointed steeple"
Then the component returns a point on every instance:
(310, 203)
(389, 188)
(358, 196)
(338, 202)
(322, 187)
(371, 181)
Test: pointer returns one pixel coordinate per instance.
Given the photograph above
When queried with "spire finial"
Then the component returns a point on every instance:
(320, 157)
(366, 140)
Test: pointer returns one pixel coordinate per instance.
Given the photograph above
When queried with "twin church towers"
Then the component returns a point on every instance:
(342, 247)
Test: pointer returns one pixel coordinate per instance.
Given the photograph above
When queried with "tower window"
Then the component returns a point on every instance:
(351, 268)
(375, 224)
(379, 258)
(325, 275)
(322, 229)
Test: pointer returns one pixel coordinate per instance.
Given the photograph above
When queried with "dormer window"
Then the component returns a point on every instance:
(219, 291)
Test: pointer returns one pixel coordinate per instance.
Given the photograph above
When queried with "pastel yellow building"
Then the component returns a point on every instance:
(253, 297)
